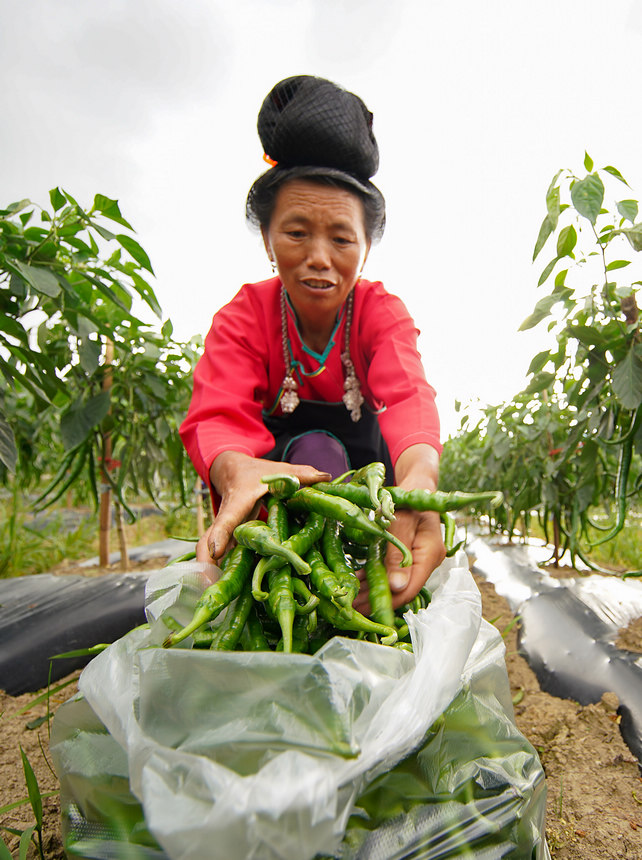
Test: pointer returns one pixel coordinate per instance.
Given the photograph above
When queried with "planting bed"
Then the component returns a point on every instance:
(594, 808)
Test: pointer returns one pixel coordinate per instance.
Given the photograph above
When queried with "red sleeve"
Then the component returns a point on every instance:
(230, 382)
(395, 374)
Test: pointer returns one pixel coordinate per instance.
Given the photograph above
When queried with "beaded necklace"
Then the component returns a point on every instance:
(352, 396)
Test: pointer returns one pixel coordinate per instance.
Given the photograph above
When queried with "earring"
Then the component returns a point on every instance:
(273, 264)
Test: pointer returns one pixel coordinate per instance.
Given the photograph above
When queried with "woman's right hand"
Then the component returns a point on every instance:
(236, 477)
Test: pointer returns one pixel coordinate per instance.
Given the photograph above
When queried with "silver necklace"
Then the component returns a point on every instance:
(352, 396)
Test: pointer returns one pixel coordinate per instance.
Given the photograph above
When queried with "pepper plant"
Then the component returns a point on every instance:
(595, 368)
(570, 443)
(73, 345)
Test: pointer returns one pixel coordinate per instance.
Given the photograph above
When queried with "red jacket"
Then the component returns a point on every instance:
(240, 373)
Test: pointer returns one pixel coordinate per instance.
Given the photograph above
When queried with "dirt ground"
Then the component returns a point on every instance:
(594, 807)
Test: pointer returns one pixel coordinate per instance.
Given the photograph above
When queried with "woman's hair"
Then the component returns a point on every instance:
(261, 199)
(313, 129)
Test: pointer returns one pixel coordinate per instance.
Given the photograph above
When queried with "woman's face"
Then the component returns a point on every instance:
(317, 239)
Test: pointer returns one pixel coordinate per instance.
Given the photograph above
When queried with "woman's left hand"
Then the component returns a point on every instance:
(416, 468)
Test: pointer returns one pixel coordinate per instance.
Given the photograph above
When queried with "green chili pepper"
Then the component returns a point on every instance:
(416, 500)
(253, 638)
(622, 479)
(259, 537)
(345, 618)
(379, 593)
(425, 500)
(450, 529)
(323, 579)
(335, 558)
(236, 568)
(338, 508)
(281, 485)
(228, 634)
(300, 542)
(300, 640)
(282, 603)
(277, 518)
(311, 601)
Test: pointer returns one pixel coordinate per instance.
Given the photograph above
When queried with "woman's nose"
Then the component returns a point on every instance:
(319, 255)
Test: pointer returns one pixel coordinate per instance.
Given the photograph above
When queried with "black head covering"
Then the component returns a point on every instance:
(314, 128)
(310, 121)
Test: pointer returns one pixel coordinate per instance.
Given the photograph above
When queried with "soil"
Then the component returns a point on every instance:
(594, 805)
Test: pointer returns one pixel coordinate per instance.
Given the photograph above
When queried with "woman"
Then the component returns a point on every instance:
(316, 370)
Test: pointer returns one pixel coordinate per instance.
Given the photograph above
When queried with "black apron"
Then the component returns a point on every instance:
(362, 439)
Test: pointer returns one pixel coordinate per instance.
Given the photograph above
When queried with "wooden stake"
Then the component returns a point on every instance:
(105, 494)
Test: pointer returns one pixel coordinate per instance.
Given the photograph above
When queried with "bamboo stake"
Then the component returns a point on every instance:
(105, 493)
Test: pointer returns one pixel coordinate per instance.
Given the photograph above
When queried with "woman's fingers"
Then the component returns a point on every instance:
(202, 547)
(421, 532)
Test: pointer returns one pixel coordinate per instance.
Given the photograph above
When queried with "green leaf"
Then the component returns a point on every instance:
(588, 162)
(627, 378)
(41, 280)
(58, 199)
(617, 264)
(5, 854)
(89, 354)
(138, 253)
(25, 842)
(566, 241)
(110, 209)
(538, 362)
(634, 235)
(587, 195)
(8, 450)
(81, 418)
(103, 231)
(615, 172)
(628, 209)
(541, 311)
(18, 206)
(544, 232)
(547, 271)
(32, 788)
(540, 382)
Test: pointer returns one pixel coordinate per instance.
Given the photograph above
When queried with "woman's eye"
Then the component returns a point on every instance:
(342, 240)
(296, 234)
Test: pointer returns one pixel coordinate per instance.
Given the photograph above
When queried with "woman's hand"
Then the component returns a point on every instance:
(236, 478)
(416, 468)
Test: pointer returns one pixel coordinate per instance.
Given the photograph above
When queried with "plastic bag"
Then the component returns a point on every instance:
(357, 751)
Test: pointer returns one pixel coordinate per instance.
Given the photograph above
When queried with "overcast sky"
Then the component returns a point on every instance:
(476, 106)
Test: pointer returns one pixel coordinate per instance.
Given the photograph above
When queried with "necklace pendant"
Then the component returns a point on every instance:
(290, 397)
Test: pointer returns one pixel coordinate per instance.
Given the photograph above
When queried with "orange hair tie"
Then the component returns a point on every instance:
(269, 160)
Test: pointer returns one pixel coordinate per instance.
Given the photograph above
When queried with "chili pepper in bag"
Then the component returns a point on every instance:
(323, 580)
(338, 508)
(282, 603)
(258, 536)
(311, 600)
(236, 568)
(253, 638)
(345, 618)
(379, 594)
(300, 542)
(335, 558)
(228, 634)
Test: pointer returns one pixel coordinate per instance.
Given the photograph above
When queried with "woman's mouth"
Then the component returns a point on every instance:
(314, 284)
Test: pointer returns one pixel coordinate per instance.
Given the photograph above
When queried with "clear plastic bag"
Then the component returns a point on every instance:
(357, 751)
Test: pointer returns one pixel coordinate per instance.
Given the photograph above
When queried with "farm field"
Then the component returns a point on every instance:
(594, 806)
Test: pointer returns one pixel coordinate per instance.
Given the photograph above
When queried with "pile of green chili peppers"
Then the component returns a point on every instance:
(290, 582)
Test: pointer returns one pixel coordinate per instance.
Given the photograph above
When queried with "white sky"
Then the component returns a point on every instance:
(476, 105)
